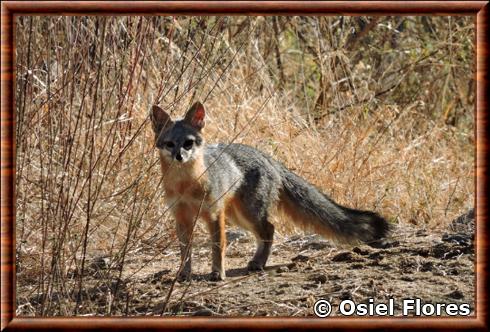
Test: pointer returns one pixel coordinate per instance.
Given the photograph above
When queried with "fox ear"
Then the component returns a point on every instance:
(195, 116)
(159, 118)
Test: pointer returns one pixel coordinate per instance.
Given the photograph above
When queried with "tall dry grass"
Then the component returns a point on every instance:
(376, 111)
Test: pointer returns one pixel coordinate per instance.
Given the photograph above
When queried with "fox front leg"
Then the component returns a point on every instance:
(218, 240)
(184, 229)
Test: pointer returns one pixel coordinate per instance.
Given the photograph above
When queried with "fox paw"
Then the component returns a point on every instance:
(255, 266)
(184, 276)
(216, 276)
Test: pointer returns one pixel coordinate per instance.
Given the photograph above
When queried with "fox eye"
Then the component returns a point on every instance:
(188, 144)
(169, 145)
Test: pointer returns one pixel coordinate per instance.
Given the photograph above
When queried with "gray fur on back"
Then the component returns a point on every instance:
(261, 180)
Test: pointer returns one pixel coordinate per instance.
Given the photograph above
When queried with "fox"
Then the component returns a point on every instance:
(237, 184)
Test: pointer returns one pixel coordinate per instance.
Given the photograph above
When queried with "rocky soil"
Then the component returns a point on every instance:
(413, 263)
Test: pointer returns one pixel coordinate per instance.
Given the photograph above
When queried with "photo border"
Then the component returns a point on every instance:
(9, 9)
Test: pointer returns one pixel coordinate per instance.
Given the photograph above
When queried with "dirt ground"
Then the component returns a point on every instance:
(413, 263)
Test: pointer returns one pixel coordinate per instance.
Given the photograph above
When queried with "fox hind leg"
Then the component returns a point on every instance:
(264, 233)
(255, 201)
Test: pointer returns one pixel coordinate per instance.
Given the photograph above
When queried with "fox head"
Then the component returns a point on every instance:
(179, 140)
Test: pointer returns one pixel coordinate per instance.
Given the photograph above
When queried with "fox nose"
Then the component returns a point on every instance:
(178, 157)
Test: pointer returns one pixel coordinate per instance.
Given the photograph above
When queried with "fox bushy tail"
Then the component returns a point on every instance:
(312, 210)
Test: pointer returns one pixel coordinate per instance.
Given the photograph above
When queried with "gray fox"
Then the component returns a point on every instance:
(236, 183)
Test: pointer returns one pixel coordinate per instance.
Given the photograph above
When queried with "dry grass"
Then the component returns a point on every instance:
(380, 119)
